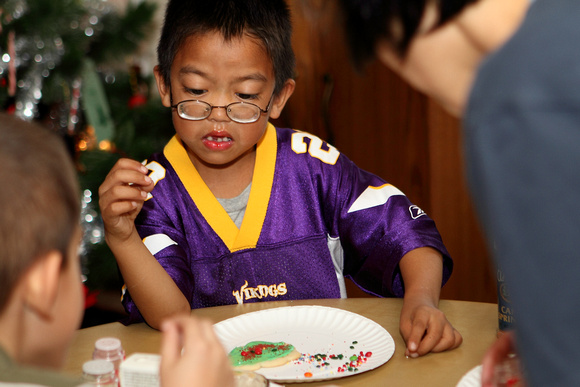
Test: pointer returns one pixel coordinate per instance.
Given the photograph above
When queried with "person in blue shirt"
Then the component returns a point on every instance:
(511, 71)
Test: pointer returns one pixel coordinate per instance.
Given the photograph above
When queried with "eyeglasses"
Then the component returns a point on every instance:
(240, 112)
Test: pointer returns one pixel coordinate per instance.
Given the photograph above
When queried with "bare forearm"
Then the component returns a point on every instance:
(423, 326)
(151, 288)
(422, 272)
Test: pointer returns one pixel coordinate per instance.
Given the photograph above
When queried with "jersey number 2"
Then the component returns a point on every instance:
(315, 148)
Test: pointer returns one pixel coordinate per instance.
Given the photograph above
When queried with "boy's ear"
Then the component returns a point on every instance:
(41, 284)
(280, 100)
(162, 87)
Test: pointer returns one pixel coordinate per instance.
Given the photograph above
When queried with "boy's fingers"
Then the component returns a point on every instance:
(129, 176)
(125, 163)
(193, 331)
(123, 174)
(449, 340)
(170, 343)
(120, 200)
(414, 337)
(120, 208)
(429, 341)
(126, 192)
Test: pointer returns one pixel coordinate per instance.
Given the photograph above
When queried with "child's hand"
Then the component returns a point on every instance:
(499, 362)
(426, 329)
(191, 355)
(121, 197)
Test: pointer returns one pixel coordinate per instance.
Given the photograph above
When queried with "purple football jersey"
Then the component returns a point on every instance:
(312, 219)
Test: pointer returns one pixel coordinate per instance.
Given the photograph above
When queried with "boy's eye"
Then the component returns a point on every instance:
(247, 96)
(195, 92)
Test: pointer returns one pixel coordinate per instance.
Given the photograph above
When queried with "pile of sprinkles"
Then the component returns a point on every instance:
(326, 361)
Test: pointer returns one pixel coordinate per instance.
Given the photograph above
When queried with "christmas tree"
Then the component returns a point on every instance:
(71, 65)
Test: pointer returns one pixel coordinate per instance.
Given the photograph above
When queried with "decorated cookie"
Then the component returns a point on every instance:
(257, 354)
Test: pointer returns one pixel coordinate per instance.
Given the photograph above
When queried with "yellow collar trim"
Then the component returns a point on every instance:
(247, 236)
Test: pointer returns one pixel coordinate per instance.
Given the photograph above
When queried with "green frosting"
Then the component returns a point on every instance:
(258, 351)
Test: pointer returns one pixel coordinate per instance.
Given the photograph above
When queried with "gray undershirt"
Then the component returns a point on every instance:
(236, 207)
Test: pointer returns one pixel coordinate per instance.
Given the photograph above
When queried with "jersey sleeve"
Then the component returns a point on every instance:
(377, 226)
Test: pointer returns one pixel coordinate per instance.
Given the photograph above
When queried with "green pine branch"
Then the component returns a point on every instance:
(42, 23)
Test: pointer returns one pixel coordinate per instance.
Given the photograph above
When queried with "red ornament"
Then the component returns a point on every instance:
(137, 100)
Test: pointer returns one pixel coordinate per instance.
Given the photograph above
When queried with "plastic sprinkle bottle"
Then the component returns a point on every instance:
(109, 349)
(99, 373)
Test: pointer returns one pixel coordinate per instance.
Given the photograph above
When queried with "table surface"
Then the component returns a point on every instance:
(476, 321)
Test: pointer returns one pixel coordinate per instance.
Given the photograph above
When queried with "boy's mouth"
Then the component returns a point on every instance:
(218, 139)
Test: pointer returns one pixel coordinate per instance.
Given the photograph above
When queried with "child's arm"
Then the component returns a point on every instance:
(423, 326)
(121, 198)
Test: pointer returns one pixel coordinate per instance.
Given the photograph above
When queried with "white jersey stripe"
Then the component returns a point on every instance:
(374, 196)
(157, 242)
(337, 254)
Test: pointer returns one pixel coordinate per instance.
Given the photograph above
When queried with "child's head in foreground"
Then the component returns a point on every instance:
(41, 301)
(223, 52)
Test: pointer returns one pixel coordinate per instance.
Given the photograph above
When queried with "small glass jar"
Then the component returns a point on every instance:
(99, 373)
(109, 348)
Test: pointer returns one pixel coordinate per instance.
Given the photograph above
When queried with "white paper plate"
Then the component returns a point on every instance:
(472, 378)
(312, 330)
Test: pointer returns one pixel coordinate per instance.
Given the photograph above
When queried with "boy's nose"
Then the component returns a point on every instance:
(219, 113)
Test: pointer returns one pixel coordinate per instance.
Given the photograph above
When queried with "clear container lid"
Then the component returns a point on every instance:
(98, 367)
(108, 344)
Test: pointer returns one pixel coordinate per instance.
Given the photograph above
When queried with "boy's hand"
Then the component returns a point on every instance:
(191, 355)
(426, 329)
(121, 197)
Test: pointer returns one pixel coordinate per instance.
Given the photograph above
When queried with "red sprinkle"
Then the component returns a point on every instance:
(258, 351)
(244, 353)
(368, 354)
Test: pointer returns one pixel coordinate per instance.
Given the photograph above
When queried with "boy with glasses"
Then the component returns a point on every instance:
(235, 210)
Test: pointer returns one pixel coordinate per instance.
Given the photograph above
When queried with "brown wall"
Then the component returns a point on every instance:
(391, 130)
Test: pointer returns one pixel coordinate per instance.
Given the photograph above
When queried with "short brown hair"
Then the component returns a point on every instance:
(39, 198)
(268, 21)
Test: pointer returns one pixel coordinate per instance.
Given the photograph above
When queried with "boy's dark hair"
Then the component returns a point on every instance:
(266, 20)
(368, 21)
(39, 199)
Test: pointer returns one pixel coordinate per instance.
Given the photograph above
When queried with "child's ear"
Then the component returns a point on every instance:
(41, 284)
(280, 100)
(164, 89)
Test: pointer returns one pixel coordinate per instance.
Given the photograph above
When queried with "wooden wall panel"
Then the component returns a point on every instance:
(473, 277)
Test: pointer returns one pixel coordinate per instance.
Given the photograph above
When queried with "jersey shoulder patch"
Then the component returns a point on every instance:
(374, 196)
